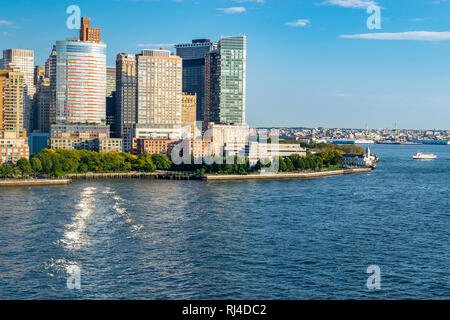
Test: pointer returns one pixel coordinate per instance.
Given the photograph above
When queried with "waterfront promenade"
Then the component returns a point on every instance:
(33, 182)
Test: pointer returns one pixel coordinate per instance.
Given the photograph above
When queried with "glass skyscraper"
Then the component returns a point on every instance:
(225, 82)
(193, 55)
(79, 82)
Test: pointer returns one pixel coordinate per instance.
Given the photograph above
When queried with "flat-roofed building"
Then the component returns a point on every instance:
(13, 148)
(227, 139)
(12, 102)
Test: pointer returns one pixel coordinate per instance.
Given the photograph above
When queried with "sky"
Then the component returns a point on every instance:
(309, 63)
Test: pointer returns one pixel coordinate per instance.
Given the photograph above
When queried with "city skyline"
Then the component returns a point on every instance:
(298, 53)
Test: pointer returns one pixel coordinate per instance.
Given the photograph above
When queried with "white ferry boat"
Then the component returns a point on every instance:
(424, 156)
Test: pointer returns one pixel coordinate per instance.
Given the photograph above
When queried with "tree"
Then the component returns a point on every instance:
(162, 162)
(6, 171)
(36, 165)
(289, 164)
(25, 167)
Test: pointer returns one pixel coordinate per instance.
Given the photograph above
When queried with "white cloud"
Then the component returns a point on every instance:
(356, 4)
(6, 22)
(412, 35)
(298, 23)
(232, 10)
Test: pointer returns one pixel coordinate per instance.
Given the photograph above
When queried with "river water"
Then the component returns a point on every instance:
(295, 239)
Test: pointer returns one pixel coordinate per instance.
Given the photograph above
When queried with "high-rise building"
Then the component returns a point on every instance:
(41, 110)
(111, 100)
(159, 81)
(39, 75)
(188, 115)
(126, 96)
(193, 55)
(1, 63)
(22, 60)
(149, 95)
(225, 82)
(87, 33)
(79, 82)
(12, 103)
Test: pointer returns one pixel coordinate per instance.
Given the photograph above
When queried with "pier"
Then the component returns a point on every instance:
(33, 182)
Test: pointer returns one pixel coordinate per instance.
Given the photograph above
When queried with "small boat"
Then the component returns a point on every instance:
(424, 156)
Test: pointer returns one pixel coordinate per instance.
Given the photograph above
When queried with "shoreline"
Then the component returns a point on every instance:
(283, 176)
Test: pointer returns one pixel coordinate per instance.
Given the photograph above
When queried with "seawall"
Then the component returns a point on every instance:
(33, 182)
(292, 175)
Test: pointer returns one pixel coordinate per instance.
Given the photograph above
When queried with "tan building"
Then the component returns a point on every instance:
(189, 114)
(12, 148)
(12, 102)
(87, 33)
(159, 95)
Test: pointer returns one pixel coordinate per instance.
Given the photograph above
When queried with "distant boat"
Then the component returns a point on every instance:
(424, 156)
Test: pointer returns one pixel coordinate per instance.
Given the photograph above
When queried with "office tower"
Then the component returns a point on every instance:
(111, 100)
(87, 33)
(22, 60)
(1, 63)
(225, 82)
(12, 103)
(126, 95)
(149, 95)
(188, 114)
(193, 55)
(78, 82)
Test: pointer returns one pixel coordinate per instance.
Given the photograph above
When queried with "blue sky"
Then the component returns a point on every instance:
(310, 63)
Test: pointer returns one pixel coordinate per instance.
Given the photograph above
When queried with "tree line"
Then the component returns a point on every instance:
(60, 162)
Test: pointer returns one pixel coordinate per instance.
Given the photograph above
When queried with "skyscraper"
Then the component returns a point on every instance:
(111, 99)
(79, 82)
(149, 95)
(22, 60)
(126, 95)
(12, 103)
(193, 55)
(225, 82)
(188, 114)
(159, 82)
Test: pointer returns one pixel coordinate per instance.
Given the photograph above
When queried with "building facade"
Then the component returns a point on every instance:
(126, 95)
(189, 115)
(193, 55)
(22, 60)
(79, 82)
(13, 148)
(225, 81)
(12, 103)
(111, 100)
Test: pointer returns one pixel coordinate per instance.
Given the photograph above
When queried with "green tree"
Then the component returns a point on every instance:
(6, 171)
(36, 165)
(162, 162)
(25, 167)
